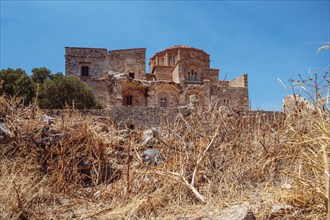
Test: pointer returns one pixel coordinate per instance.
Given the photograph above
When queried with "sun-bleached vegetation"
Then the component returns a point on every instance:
(81, 166)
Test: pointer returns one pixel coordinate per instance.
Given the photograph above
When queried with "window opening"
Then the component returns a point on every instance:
(163, 102)
(192, 75)
(128, 100)
(131, 74)
(131, 126)
(173, 61)
(85, 71)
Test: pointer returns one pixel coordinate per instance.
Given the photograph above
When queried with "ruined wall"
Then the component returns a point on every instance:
(95, 59)
(232, 97)
(240, 81)
(147, 117)
(101, 91)
(129, 60)
(238, 98)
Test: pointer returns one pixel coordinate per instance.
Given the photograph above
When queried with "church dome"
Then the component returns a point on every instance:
(177, 48)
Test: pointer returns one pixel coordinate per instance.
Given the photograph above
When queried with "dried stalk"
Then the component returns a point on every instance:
(128, 168)
(203, 154)
(327, 178)
(180, 178)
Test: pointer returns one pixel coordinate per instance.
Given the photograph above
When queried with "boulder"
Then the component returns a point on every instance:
(49, 120)
(152, 156)
(5, 133)
(149, 137)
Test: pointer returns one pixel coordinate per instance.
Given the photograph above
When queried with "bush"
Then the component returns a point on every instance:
(64, 91)
(16, 83)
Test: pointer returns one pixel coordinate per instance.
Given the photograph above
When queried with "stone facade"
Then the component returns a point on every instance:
(119, 78)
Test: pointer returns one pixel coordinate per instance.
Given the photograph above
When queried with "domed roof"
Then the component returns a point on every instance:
(178, 47)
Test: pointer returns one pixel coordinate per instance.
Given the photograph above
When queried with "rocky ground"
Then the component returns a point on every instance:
(209, 164)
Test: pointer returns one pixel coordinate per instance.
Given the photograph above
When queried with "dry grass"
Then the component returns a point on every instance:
(81, 168)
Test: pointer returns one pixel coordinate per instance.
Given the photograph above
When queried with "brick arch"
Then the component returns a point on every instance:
(137, 94)
(169, 92)
(195, 65)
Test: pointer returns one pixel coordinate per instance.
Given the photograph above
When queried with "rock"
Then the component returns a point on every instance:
(149, 137)
(48, 119)
(152, 156)
(5, 133)
(287, 186)
(237, 212)
(187, 110)
(279, 210)
(48, 137)
(124, 133)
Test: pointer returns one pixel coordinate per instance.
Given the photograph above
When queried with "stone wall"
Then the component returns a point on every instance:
(99, 88)
(95, 59)
(125, 116)
(129, 60)
(240, 81)
(163, 73)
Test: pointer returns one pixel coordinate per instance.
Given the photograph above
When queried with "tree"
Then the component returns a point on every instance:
(16, 83)
(57, 75)
(39, 75)
(66, 90)
(8, 77)
(25, 87)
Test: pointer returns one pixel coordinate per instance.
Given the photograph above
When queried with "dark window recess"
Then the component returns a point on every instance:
(132, 75)
(131, 126)
(163, 102)
(128, 100)
(192, 76)
(85, 71)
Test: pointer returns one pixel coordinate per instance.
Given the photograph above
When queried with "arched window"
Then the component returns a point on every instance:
(163, 102)
(128, 100)
(192, 75)
(173, 61)
(226, 102)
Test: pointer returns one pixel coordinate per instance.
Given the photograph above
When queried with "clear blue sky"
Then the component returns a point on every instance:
(266, 39)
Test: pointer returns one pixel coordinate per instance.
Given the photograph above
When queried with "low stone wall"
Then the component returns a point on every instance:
(143, 116)
(128, 116)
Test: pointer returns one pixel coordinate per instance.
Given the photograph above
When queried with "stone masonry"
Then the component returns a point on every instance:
(119, 78)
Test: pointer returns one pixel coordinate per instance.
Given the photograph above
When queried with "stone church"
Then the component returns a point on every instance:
(119, 77)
